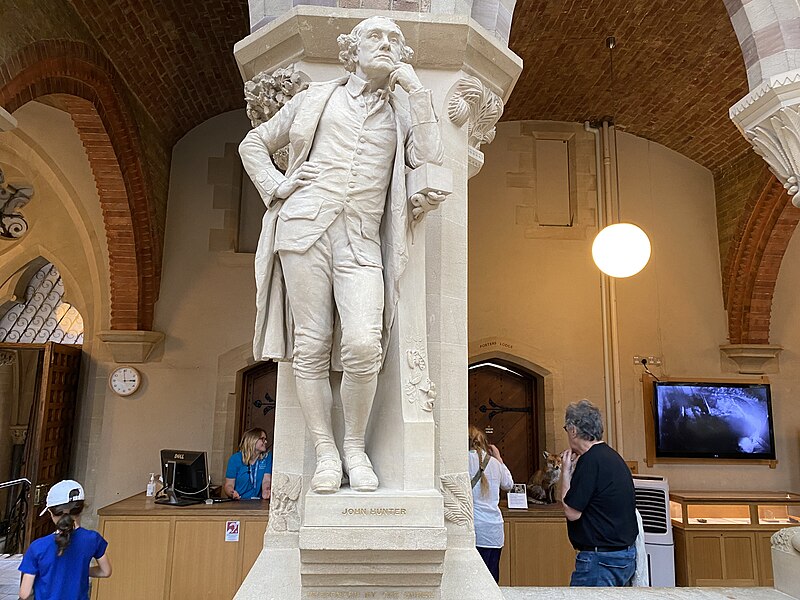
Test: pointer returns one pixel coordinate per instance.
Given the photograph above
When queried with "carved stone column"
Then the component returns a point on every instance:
(769, 117)
(414, 537)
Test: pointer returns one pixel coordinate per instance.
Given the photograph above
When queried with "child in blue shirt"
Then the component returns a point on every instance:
(57, 566)
(249, 472)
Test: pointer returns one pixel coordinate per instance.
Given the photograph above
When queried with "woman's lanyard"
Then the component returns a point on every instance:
(252, 472)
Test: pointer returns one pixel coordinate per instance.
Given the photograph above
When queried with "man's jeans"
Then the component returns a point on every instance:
(604, 569)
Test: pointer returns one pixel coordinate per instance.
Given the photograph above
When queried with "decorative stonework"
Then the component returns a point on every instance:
(474, 104)
(419, 388)
(18, 434)
(6, 358)
(131, 346)
(267, 93)
(283, 511)
(777, 141)
(786, 540)
(12, 224)
(753, 359)
(457, 498)
(769, 118)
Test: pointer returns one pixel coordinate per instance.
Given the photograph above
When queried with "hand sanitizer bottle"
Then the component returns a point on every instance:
(151, 485)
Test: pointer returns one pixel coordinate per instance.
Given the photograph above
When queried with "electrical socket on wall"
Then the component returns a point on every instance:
(650, 361)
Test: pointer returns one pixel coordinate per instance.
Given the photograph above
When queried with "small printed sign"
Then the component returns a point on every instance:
(518, 497)
(232, 531)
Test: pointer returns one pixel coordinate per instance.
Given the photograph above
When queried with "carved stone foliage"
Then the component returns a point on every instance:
(777, 141)
(284, 514)
(478, 107)
(457, 498)
(419, 389)
(266, 94)
(12, 224)
(787, 540)
(6, 358)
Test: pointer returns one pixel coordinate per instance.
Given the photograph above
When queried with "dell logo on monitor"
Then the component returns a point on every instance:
(179, 456)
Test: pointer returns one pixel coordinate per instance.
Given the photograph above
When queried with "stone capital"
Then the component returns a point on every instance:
(769, 117)
(131, 346)
(18, 434)
(7, 357)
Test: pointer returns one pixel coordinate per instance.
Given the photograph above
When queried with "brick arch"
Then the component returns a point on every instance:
(754, 260)
(767, 31)
(90, 90)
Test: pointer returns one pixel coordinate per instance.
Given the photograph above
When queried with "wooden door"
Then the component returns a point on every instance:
(259, 387)
(501, 399)
(50, 430)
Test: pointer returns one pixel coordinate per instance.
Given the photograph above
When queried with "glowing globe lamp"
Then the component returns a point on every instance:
(621, 250)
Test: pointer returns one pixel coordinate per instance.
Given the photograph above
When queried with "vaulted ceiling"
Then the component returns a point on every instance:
(677, 65)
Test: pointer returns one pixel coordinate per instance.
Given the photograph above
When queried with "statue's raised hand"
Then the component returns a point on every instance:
(301, 177)
(404, 76)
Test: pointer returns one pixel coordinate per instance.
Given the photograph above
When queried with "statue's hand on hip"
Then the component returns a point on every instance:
(304, 175)
(423, 203)
(405, 76)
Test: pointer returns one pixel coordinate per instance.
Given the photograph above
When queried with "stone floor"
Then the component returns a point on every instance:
(9, 576)
(543, 593)
(9, 586)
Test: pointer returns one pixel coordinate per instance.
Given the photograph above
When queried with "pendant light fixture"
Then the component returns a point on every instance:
(619, 249)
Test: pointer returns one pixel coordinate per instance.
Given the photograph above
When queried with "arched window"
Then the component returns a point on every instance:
(43, 315)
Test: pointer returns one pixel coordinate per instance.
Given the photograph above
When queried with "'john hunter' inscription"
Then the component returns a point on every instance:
(381, 512)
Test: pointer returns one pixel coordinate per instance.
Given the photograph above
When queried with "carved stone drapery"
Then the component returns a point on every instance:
(769, 117)
(473, 104)
(283, 512)
(12, 224)
(266, 94)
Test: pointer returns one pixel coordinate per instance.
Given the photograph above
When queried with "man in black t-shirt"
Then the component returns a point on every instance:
(599, 502)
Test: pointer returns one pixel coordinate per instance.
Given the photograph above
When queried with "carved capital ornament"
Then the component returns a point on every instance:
(769, 118)
(12, 198)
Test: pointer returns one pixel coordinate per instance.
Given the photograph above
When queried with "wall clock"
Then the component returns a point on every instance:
(124, 381)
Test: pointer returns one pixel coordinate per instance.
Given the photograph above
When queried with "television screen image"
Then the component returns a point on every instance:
(713, 420)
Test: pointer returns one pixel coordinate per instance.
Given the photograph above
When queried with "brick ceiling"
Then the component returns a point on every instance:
(677, 65)
(677, 70)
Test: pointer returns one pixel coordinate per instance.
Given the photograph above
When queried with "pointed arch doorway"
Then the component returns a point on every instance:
(503, 403)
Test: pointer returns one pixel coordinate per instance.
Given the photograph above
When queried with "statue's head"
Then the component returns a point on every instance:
(374, 47)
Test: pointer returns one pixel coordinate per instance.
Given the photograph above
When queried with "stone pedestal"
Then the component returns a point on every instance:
(413, 538)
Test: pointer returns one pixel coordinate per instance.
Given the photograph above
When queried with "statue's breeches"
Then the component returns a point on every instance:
(323, 281)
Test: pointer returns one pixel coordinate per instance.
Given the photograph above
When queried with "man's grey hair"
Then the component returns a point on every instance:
(586, 419)
(348, 42)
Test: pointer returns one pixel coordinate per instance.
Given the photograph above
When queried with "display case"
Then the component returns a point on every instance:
(723, 538)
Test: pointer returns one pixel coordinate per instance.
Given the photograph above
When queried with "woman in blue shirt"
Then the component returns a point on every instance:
(249, 472)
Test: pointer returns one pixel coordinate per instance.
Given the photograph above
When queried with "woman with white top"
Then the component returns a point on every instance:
(489, 475)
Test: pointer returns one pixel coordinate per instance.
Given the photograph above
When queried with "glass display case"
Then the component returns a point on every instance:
(723, 538)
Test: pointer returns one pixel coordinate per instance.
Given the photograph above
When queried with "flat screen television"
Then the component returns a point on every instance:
(713, 420)
(185, 475)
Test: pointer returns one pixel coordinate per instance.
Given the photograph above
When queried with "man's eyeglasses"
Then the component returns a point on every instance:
(74, 512)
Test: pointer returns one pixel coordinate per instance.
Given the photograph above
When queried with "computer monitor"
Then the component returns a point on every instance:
(185, 475)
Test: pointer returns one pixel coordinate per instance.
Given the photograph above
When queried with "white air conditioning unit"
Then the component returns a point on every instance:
(652, 502)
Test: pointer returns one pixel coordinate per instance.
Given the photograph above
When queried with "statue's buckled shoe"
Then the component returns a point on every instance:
(362, 476)
(327, 477)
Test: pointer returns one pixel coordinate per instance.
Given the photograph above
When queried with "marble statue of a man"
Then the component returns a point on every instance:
(334, 238)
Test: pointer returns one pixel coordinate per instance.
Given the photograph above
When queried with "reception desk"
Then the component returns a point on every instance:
(174, 553)
(537, 551)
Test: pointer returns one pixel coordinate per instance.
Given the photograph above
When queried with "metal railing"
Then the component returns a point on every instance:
(17, 516)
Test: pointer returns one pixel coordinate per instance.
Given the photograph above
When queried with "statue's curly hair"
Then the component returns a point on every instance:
(348, 44)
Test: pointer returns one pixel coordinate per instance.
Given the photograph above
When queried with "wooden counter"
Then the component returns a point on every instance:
(177, 552)
(723, 538)
(537, 550)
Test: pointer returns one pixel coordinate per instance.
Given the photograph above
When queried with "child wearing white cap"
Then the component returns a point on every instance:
(58, 566)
